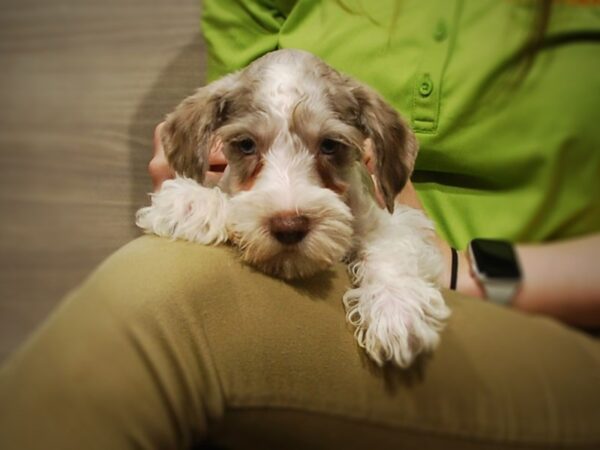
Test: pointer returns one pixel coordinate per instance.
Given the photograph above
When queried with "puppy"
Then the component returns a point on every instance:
(296, 197)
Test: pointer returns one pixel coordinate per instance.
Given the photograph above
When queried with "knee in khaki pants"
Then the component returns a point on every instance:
(171, 343)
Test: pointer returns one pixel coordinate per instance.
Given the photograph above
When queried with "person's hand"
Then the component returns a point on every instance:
(216, 164)
(160, 170)
(569, 292)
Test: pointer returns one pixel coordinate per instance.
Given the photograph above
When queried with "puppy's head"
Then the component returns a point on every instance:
(292, 130)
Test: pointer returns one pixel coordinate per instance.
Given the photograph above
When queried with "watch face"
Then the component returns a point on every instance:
(495, 259)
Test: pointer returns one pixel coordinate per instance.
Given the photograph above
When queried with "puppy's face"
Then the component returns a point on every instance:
(292, 130)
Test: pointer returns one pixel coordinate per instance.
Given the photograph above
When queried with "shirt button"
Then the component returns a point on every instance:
(426, 86)
(441, 31)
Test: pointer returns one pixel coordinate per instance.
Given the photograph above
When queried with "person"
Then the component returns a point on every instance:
(169, 344)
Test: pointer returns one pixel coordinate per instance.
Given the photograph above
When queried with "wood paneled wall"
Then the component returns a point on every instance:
(82, 85)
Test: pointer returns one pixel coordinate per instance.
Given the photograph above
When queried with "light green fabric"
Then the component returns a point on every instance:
(497, 159)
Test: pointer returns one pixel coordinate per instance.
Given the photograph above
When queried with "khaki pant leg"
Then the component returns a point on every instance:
(123, 362)
(170, 343)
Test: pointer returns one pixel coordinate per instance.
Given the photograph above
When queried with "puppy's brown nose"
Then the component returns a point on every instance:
(289, 228)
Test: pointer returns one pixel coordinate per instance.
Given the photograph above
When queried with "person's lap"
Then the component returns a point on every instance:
(171, 343)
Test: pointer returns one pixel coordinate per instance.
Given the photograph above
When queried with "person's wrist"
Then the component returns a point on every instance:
(465, 282)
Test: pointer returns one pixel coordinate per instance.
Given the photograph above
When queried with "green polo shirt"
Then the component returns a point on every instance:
(498, 157)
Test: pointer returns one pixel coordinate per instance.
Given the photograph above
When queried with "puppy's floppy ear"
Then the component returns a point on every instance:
(188, 133)
(395, 144)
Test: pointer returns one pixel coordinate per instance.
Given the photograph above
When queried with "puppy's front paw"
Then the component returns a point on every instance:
(396, 323)
(183, 209)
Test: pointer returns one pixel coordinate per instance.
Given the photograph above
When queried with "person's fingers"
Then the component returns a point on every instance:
(158, 167)
(159, 171)
(216, 156)
(157, 142)
(408, 196)
(216, 164)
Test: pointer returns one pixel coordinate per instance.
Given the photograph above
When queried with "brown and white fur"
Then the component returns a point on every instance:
(296, 198)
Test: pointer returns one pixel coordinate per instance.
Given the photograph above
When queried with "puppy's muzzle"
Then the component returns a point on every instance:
(289, 228)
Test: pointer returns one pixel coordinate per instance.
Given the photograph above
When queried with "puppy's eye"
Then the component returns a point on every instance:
(247, 146)
(329, 146)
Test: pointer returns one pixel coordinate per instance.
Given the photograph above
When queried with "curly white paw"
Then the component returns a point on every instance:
(396, 323)
(183, 209)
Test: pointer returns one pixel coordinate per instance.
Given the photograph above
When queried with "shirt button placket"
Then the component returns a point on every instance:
(428, 82)
(426, 86)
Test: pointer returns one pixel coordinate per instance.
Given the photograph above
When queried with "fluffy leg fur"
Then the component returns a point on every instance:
(183, 209)
(396, 307)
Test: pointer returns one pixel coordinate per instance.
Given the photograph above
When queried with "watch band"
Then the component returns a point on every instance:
(495, 268)
(453, 268)
(500, 292)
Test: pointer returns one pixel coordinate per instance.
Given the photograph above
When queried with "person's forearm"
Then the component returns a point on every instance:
(561, 280)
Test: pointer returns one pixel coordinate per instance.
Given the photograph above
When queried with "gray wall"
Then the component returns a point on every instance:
(82, 85)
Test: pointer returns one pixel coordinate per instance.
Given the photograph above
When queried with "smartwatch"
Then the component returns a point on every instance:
(495, 266)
